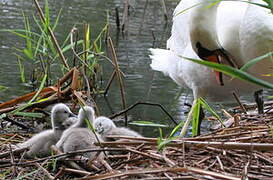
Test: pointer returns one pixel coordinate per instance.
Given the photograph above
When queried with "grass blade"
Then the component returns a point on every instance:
(147, 123)
(236, 73)
(196, 117)
(255, 60)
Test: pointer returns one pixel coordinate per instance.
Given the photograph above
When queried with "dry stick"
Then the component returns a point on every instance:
(55, 42)
(264, 158)
(124, 23)
(145, 154)
(21, 125)
(237, 118)
(106, 165)
(49, 176)
(80, 172)
(14, 169)
(167, 160)
(85, 28)
(118, 74)
(213, 174)
(194, 138)
(134, 172)
(109, 83)
(188, 120)
(164, 10)
(133, 138)
(73, 49)
(239, 102)
(8, 109)
(75, 40)
(143, 17)
(15, 152)
(63, 154)
(202, 144)
(143, 103)
(159, 170)
(220, 163)
(59, 173)
(117, 18)
(10, 139)
(70, 163)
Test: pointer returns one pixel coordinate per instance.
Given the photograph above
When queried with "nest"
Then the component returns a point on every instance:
(239, 151)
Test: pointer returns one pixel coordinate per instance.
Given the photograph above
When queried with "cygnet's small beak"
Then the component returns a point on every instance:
(100, 130)
(73, 115)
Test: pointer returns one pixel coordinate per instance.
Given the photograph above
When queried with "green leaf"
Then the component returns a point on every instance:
(42, 85)
(195, 117)
(233, 72)
(162, 143)
(211, 110)
(2, 88)
(28, 53)
(21, 68)
(254, 61)
(28, 114)
(28, 50)
(47, 17)
(147, 124)
(176, 128)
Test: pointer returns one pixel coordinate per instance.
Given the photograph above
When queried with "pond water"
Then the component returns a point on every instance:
(147, 28)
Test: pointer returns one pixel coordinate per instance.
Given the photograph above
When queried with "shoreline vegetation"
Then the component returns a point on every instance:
(238, 147)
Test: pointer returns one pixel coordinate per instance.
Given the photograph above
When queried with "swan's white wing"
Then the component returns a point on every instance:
(180, 29)
(169, 63)
(229, 18)
(256, 36)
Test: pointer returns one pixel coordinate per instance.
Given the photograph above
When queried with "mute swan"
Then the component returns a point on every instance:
(244, 30)
(200, 32)
(256, 38)
(77, 137)
(106, 127)
(39, 145)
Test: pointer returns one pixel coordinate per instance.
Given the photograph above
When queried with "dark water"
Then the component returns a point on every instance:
(146, 22)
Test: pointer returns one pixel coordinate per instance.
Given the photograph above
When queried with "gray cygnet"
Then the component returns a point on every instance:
(106, 127)
(39, 145)
(78, 137)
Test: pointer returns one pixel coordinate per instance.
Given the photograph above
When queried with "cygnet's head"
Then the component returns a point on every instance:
(69, 122)
(103, 125)
(86, 112)
(59, 113)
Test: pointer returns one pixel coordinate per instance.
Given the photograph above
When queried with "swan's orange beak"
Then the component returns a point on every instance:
(219, 56)
(219, 76)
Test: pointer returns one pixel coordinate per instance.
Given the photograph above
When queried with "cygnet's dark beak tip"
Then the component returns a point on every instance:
(73, 115)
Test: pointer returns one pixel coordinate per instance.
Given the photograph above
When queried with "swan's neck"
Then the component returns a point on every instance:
(202, 25)
(81, 121)
(55, 123)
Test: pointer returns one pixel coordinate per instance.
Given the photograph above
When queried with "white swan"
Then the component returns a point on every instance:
(106, 127)
(202, 32)
(244, 30)
(39, 145)
(256, 38)
(78, 137)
